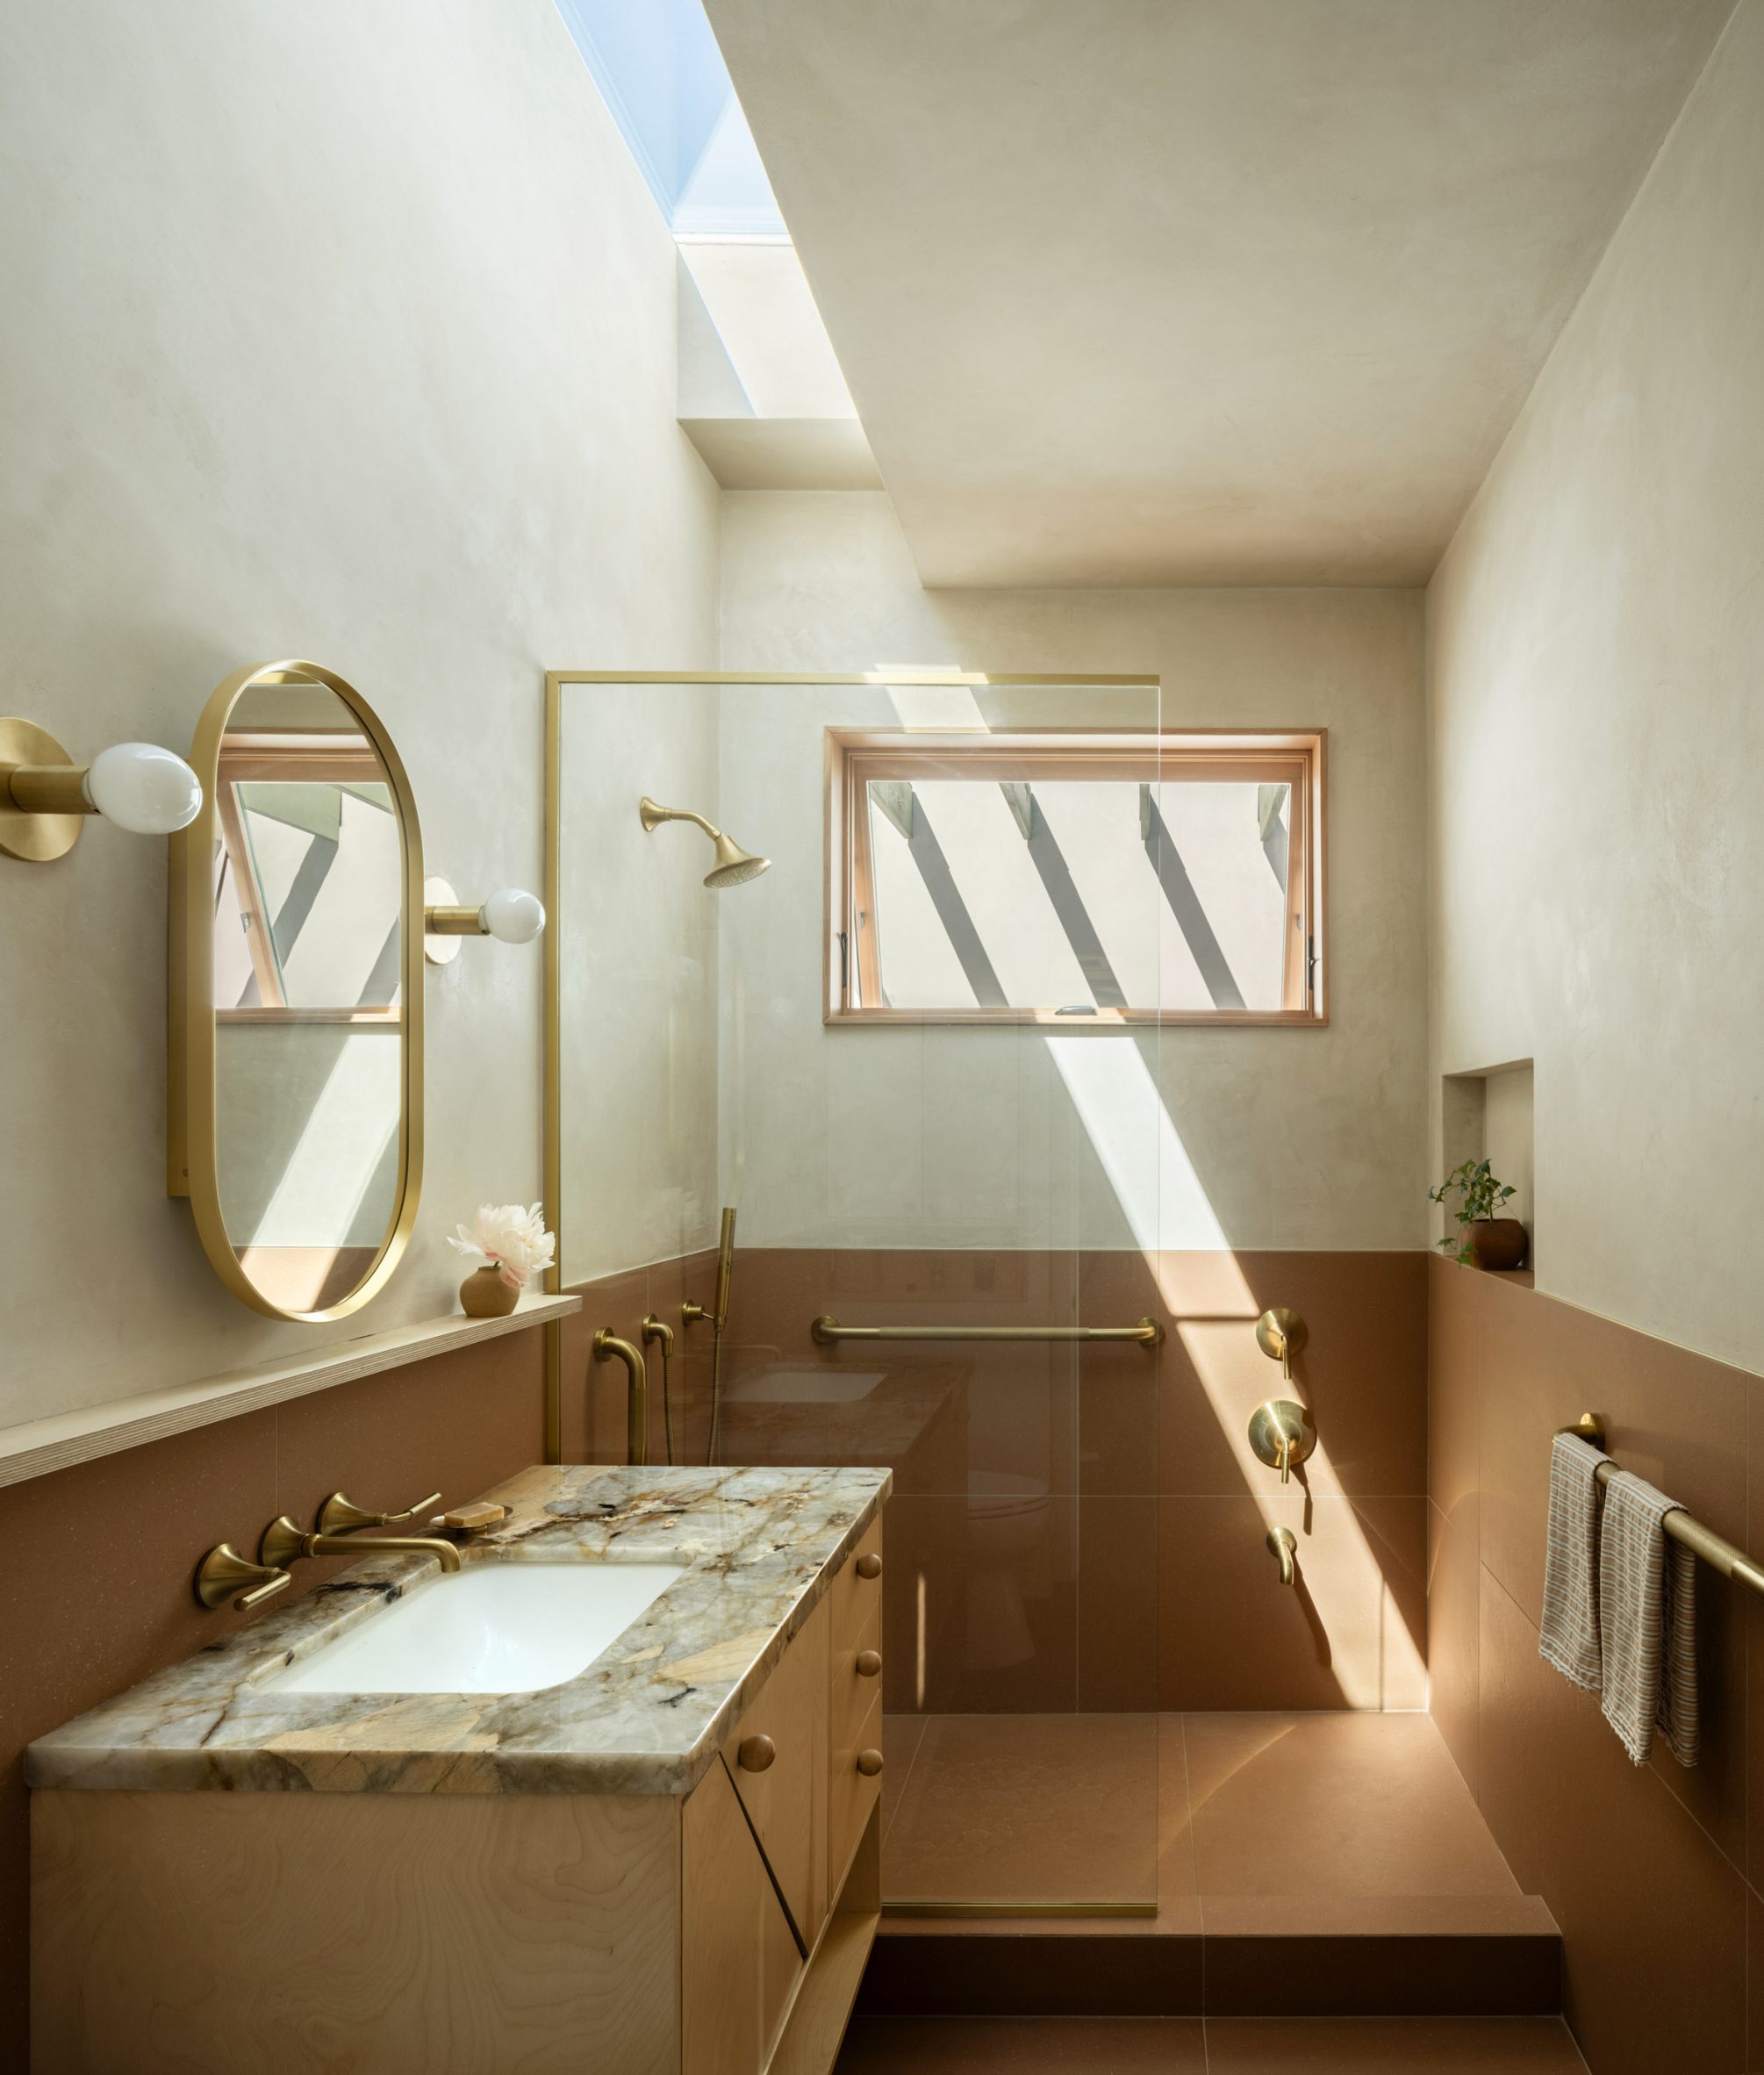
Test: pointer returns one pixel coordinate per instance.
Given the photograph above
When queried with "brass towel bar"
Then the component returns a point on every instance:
(1718, 1555)
(1146, 1334)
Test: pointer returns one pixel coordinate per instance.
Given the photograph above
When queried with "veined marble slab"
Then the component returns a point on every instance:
(646, 1717)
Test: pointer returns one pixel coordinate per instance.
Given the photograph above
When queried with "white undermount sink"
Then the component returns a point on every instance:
(488, 1629)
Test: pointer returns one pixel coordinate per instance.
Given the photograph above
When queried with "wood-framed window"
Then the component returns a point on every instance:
(308, 882)
(1078, 880)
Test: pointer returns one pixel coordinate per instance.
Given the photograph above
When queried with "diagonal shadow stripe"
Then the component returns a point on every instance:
(952, 910)
(1191, 917)
(1074, 918)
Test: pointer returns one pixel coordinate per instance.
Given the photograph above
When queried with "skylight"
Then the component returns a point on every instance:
(659, 71)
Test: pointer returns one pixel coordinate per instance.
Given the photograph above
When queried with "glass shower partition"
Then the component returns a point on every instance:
(919, 1055)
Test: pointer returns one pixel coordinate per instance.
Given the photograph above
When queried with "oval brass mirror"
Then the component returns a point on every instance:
(295, 1111)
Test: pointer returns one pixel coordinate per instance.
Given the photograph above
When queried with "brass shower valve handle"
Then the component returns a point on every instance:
(1279, 1335)
(1282, 1436)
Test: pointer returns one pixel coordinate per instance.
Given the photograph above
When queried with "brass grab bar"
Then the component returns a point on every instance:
(1147, 1332)
(1720, 1555)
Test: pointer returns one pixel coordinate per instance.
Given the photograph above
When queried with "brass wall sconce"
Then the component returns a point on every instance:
(1282, 1434)
(1279, 1335)
(511, 917)
(45, 796)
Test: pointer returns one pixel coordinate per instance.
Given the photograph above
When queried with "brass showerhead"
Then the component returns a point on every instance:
(734, 865)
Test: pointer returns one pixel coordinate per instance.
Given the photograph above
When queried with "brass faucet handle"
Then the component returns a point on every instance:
(224, 1571)
(339, 1514)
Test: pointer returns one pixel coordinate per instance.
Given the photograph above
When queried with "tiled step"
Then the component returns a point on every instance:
(1244, 1956)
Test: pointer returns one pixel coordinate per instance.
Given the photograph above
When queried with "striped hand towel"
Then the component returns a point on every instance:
(1648, 1614)
(1569, 1637)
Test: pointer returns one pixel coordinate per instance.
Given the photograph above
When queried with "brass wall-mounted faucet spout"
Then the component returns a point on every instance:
(609, 1347)
(335, 1535)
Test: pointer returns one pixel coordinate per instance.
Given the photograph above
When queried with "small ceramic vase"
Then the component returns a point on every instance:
(1498, 1242)
(485, 1294)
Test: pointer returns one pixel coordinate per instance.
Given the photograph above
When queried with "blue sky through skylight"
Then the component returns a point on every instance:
(660, 72)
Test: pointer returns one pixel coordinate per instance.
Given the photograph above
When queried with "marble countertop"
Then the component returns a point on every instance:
(646, 1717)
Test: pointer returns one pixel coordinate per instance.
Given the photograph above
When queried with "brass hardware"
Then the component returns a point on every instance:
(609, 1347)
(691, 1314)
(284, 1541)
(1146, 1334)
(42, 808)
(224, 1571)
(338, 1514)
(654, 1329)
(445, 921)
(869, 1763)
(868, 1664)
(1279, 1335)
(732, 867)
(1284, 1543)
(870, 1564)
(478, 1519)
(1719, 1554)
(1282, 1434)
(45, 797)
(756, 1754)
(513, 916)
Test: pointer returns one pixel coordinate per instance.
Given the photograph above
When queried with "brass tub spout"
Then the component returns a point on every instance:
(1284, 1543)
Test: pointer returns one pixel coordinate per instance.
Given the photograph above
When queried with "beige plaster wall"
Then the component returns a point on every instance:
(1297, 1139)
(1596, 649)
(334, 331)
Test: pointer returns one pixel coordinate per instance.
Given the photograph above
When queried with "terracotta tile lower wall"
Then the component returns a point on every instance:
(96, 1581)
(1651, 1873)
(1140, 1567)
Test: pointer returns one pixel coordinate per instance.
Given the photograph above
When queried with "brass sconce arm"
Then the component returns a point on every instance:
(45, 796)
(511, 917)
(609, 1347)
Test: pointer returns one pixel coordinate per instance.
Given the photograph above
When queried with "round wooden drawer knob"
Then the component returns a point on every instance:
(756, 1754)
(869, 1663)
(869, 1763)
(869, 1565)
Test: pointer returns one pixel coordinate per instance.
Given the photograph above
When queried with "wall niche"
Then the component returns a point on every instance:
(1487, 1114)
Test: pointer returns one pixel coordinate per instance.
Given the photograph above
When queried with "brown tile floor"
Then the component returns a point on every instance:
(1015, 1808)
(1212, 2046)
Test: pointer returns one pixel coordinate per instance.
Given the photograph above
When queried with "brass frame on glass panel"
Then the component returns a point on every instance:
(557, 682)
(191, 1019)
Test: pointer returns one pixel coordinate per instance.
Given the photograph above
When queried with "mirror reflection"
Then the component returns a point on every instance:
(309, 953)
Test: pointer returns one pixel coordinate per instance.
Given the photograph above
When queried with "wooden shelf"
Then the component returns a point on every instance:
(37, 1446)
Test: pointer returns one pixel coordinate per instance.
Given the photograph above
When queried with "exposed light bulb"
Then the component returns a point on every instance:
(143, 788)
(512, 916)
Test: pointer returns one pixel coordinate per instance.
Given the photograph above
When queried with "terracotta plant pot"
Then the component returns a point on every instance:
(1497, 1242)
(485, 1294)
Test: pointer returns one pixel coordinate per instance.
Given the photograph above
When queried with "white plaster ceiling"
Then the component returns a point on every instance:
(1153, 291)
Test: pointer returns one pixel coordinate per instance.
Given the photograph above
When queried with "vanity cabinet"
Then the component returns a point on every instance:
(436, 1933)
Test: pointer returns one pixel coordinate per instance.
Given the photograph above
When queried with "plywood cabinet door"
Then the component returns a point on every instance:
(738, 1960)
(777, 1756)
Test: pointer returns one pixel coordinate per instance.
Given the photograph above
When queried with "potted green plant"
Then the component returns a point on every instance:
(1472, 1195)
